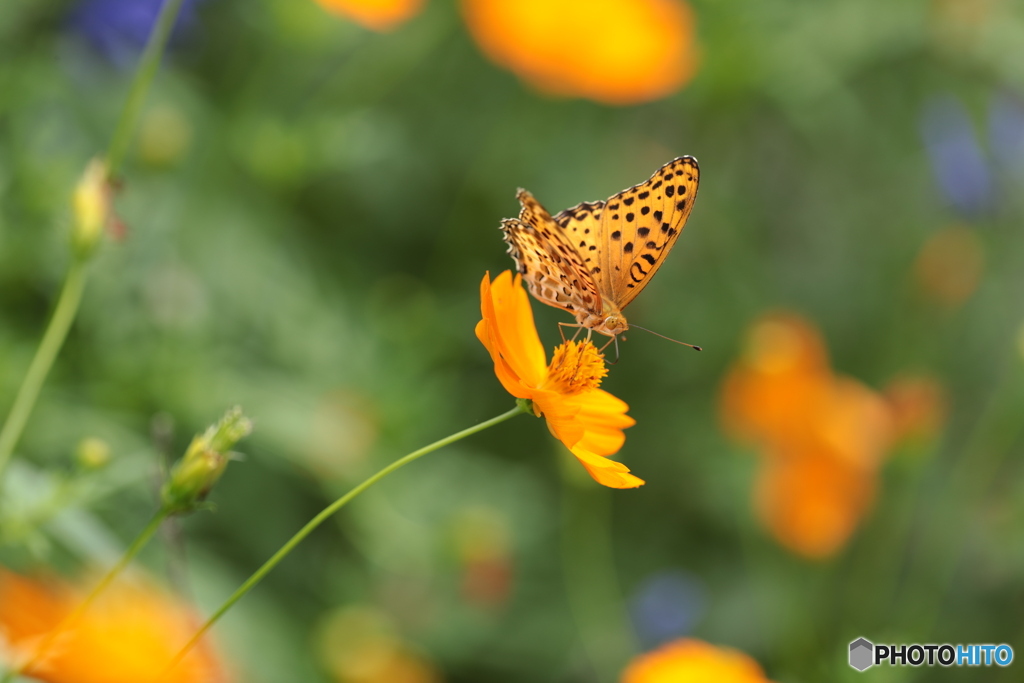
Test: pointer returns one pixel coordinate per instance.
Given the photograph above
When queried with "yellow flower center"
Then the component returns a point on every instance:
(575, 367)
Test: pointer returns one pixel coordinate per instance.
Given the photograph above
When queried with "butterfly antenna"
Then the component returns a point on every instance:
(692, 346)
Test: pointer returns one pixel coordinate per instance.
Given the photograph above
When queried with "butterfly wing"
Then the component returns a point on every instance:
(637, 229)
(552, 266)
(581, 226)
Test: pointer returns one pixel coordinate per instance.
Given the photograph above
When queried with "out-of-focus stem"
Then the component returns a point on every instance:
(49, 347)
(591, 581)
(148, 66)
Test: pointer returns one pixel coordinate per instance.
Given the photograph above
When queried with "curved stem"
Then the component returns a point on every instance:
(67, 622)
(324, 514)
(140, 84)
(49, 347)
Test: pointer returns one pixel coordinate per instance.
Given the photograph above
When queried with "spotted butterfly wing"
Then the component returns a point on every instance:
(638, 227)
(553, 269)
(595, 258)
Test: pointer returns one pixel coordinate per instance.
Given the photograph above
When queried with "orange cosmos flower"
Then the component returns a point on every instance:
(822, 436)
(611, 51)
(588, 420)
(693, 661)
(812, 501)
(128, 635)
(379, 15)
(919, 407)
(784, 371)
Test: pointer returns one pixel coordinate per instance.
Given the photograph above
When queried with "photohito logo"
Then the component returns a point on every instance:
(865, 654)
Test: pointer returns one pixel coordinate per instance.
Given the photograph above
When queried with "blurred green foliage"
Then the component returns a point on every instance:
(310, 208)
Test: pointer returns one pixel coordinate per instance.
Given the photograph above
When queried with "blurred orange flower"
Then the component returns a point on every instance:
(128, 635)
(783, 371)
(822, 436)
(950, 265)
(379, 15)
(588, 420)
(693, 661)
(482, 543)
(612, 51)
(918, 404)
(811, 502)
(360, 645)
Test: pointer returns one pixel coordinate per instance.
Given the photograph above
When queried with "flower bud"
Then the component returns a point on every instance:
(203, 463)
(91, 208)
(92, 453)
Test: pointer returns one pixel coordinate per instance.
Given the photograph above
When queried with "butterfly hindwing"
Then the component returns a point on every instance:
(552, 268)
(639, 226)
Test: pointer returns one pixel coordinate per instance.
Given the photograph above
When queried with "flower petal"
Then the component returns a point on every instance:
(508, 320)
(603, 417)
(607, 472)
(502, 370)
(561, 417)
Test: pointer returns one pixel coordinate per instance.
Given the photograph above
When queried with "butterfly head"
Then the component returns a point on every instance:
(613, 324)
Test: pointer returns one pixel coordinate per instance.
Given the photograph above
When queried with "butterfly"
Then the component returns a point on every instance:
(595, 258)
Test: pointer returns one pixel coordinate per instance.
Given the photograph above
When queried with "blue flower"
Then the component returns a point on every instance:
(119, 29)
(1006, 131)
(667, 605)
(957, 161)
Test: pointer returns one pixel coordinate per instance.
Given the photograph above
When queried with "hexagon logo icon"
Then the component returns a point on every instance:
(861, 654)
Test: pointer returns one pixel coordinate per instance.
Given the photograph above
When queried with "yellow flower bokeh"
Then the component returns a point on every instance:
(688, 660)
(611, 51)
(128, 635)
(378, 15)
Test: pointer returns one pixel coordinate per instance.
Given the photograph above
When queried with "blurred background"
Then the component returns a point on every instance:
(312, 197)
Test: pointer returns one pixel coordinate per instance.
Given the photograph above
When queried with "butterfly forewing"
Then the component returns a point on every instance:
(638, 228)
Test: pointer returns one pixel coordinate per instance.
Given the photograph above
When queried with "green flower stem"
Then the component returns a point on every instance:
(324, 514)
(49, 347)
(591, 581)
(74, 283)
(44, 646)
(148, 66)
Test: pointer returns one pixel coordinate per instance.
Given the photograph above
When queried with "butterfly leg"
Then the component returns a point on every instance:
(561, 327)
(613, 340)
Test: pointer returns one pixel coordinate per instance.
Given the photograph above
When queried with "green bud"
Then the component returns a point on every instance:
(92, 453)
(204, 462)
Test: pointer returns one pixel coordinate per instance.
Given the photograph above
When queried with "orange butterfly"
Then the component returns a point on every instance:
(593, 259)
